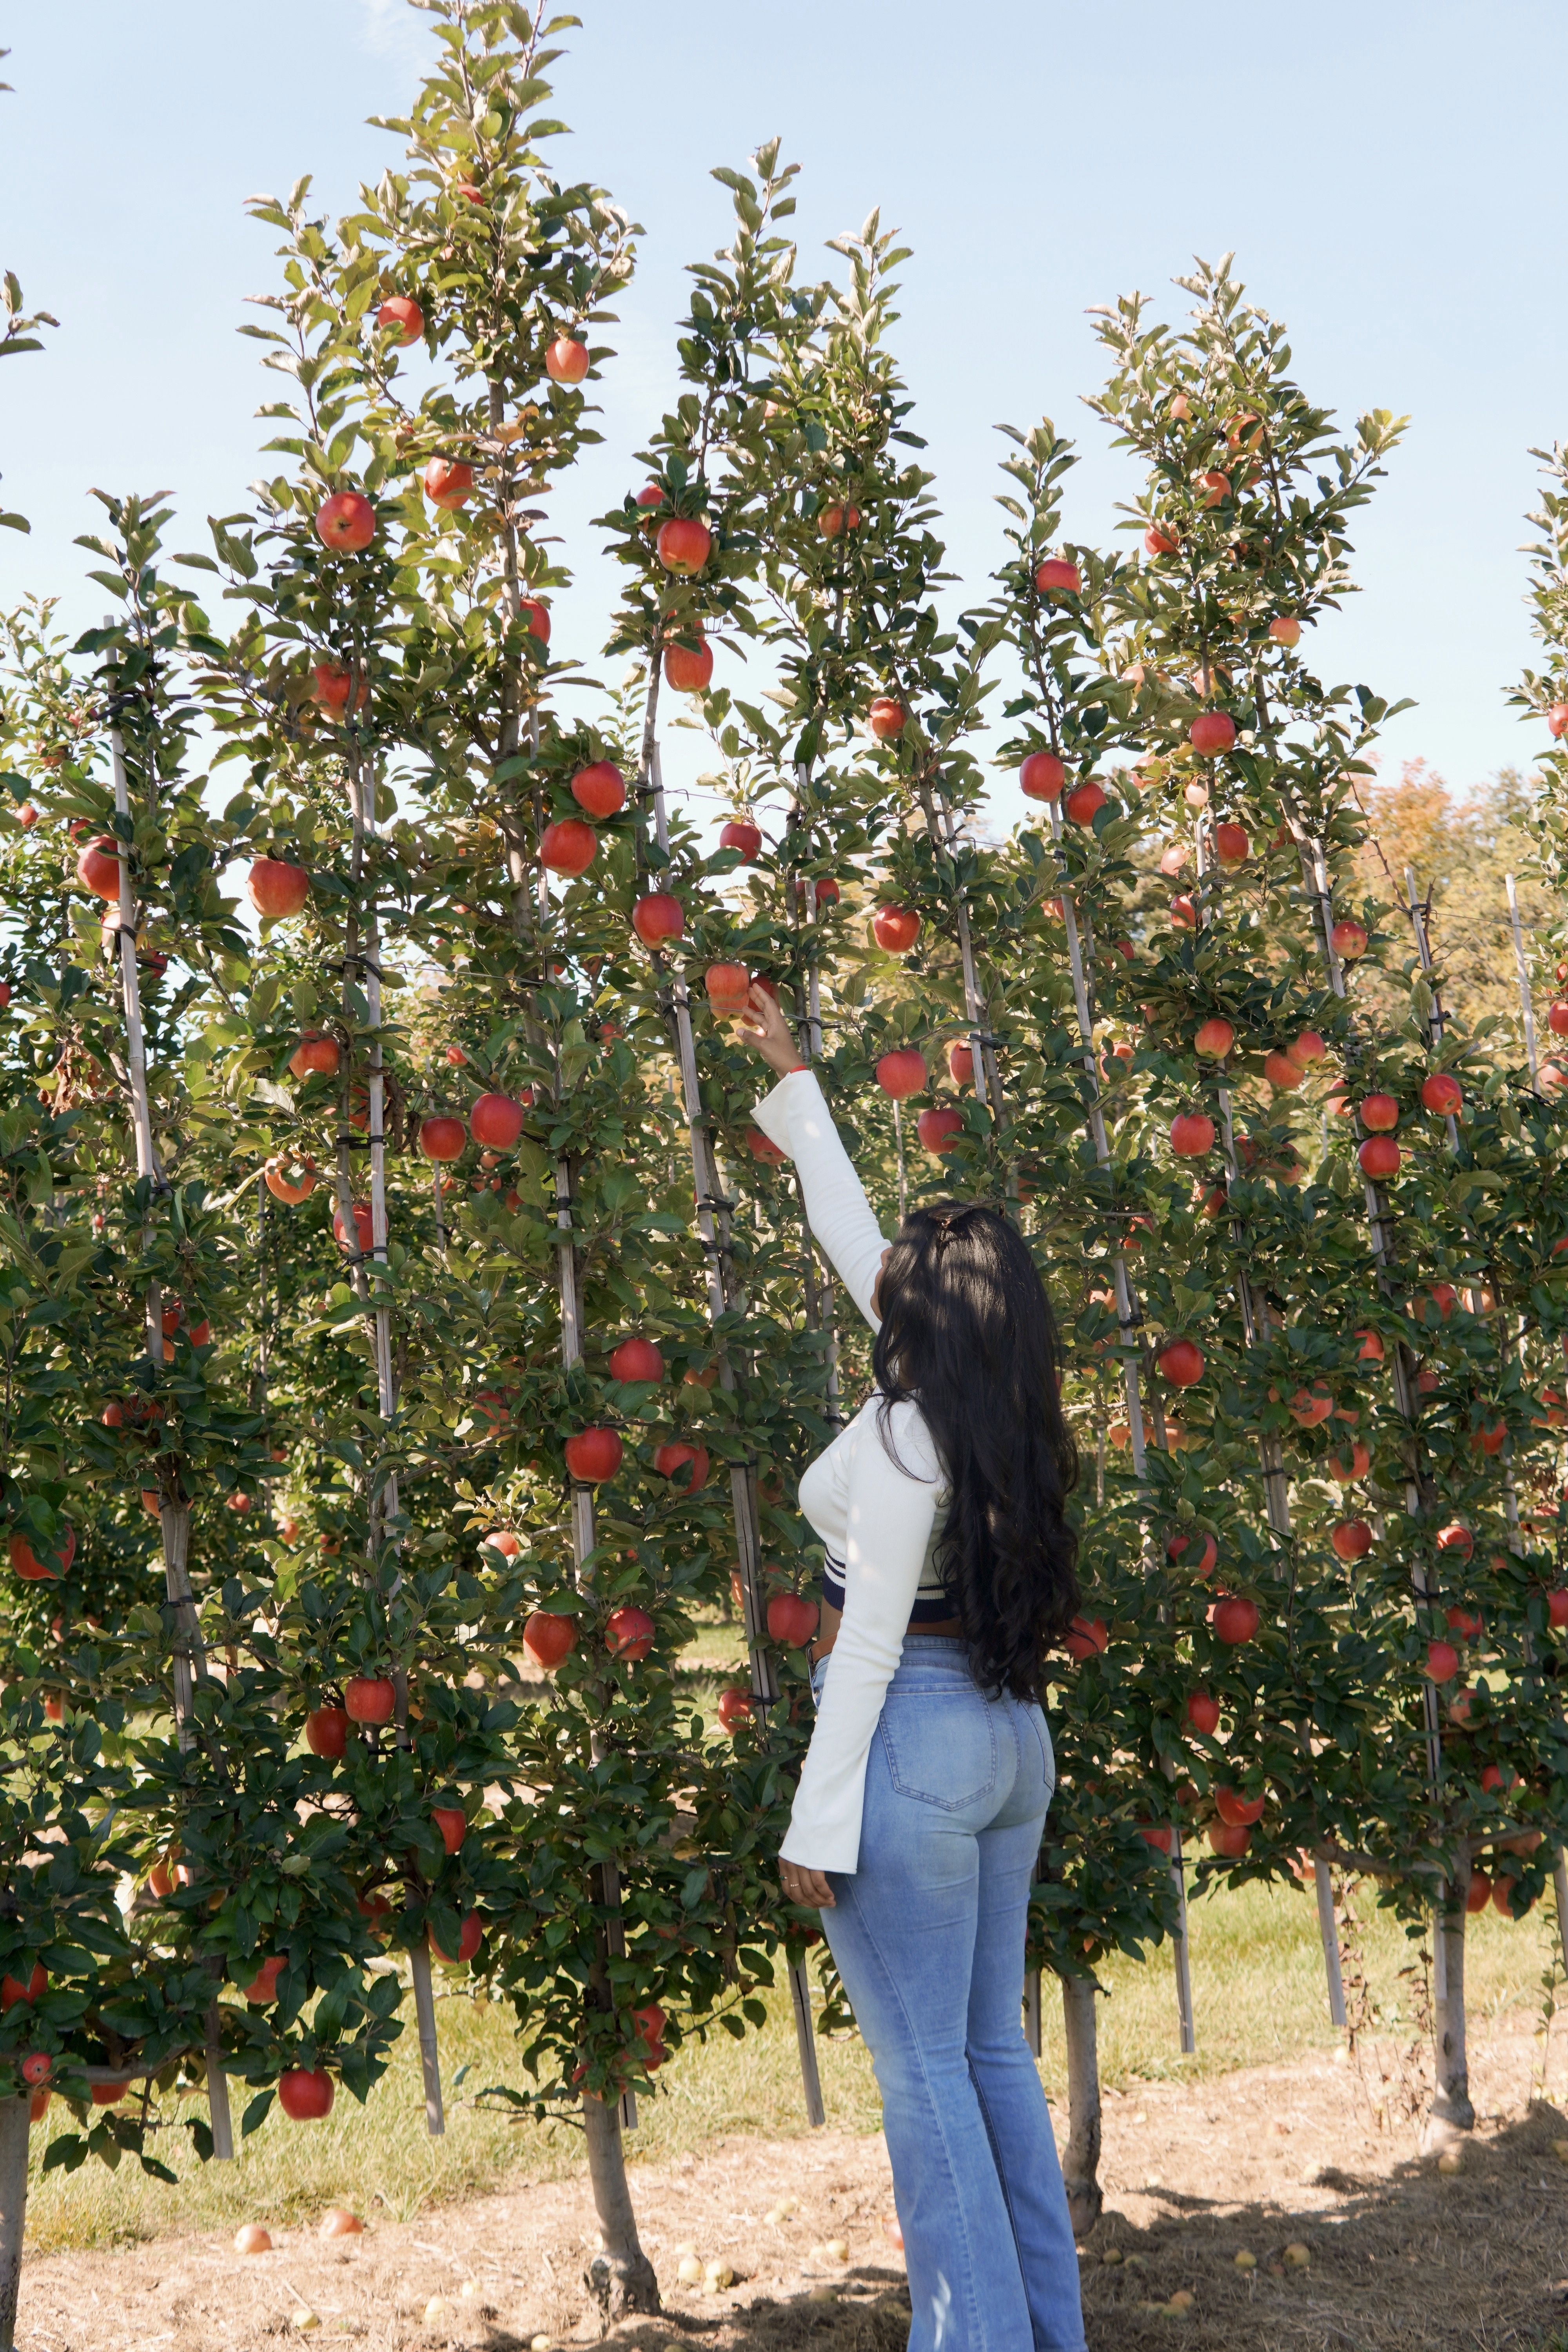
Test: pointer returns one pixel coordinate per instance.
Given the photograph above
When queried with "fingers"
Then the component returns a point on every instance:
(809, 1888)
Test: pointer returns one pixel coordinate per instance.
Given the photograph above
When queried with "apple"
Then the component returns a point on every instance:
(281, 1189)
(683, 545)
(496, 1121)
(902, 1073)
(470, 1936)
(315, 1055)
(1380, 1156)
(27, 816)
(1085, 801)
(327, 1730)
(305, 2095)
(1239, 1812)
(1439, 1092)
(452, 1824)
(1176, 1544)
(252, 2240)
(1344, 1473)
(1056, 576)
(1352, 1539)
(1379, 1112)
(672, 1460)
(1232, 844)
(763, 1147)
(593, 1455)
(1181, 1363)
(1192, 1134)
(896, 929)
(658, 915)
(629, 1633)
(734, 1708)
(276, 888)
(1282, 1073)
(402, 312)
(369, 1698)
(566, 360)
(262, 1988)
(1203, 1713)
(689, 669)
(1211, 732)
(1550, 1078)
(38, 2104)
(651, 495)
(1042, 776)
(650, 2022)
(1457, 1538)
(1490, 1437)
(1233, 1618)
(792, 1618)
(1557, 1017)
(1229, 1840)
(98, 867)
(729, 987)
(601, 789)
(1160, 1838)
(742, 835)
(346, 521)
(939, 1130)
(1285, 629)
(448, 481)
(1466, 1623)
(1184, 913)
(53, 1565)
(637, 1360)
(568, 846)
(1214, 1041)
(443, 1137)
(1442, 1662)
(547, 1637)
(364, 1228)
(1348, 940)
(886, 718)
(537, 616)
(12, 1991)
(1371, 1350)
(1557, 1606)
(837, 519)
(340, 2221)
(1216, 487)
(1161, 541)
(1309, 1407)
(1557, 719)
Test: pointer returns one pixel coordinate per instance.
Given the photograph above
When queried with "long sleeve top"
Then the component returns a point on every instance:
(873, 1497)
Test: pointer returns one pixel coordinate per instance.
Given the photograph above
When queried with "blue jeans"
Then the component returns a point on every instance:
(928, 1936)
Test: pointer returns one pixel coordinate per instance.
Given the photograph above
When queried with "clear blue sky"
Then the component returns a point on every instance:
(1389, 176)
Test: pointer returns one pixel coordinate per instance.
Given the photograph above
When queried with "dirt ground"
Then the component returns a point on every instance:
(1401, 2256)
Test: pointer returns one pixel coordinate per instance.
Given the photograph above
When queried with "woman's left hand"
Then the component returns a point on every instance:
(809, 1888)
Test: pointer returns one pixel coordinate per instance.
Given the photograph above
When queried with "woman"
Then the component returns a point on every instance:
(923, 1793)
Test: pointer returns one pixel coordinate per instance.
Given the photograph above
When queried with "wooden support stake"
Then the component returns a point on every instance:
(14, 2122)
(1526, 1008)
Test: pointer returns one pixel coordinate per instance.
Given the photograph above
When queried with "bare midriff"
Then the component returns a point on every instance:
(832, 1619)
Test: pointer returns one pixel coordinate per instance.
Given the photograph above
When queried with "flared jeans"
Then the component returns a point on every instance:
(928, 1936)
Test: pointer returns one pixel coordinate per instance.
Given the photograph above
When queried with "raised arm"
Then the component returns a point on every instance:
(796, 1116)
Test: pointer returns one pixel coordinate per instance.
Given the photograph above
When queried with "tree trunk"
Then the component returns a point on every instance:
(1451, 2108)
(1081, 2165)
(620, 2276)
(14, 2121)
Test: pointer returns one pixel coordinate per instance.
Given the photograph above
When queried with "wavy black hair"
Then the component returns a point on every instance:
(968, 1335)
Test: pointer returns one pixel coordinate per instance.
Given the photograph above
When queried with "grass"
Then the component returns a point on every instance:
(1258, 1997)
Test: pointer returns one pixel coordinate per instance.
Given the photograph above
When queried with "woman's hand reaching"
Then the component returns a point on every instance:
(809, 1888)
(764, 1026)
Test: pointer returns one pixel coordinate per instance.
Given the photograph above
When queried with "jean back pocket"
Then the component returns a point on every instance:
(941, 1747)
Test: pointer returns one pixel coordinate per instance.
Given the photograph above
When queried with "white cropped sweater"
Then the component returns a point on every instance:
(873, 1498)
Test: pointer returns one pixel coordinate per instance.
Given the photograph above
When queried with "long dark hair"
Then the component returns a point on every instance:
(968, 1334)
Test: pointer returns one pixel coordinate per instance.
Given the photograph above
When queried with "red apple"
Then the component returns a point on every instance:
(1085, 801)
(1557, 719)
(592, 1455)
(1184, 913)
(1557, 1606)
(315, 1055)
(1344, 1473)
(1203, 1713)
(1056, 576)
(689, 669)
(364, 1229)
(547, 1638)
(448, 481)
(1232, 844)
(1182, 1364)
(1282, 1073)
(442, 1137)
(896, 929)
(601, 789)
(327, 1730)
(1352, 1539)
(1379, 1112)
(1042, 776)
(886, 718)
(566, 360)
(276, 888)
(339, 2221)
(369, 1698)
(1178, 1544)
(1086, 1637)
(792, 1618)
(629, 1633)
(763, 1147)
(1235, 1620)
(1192, 1134)
(686, 1465)
(401, 314)
(346, 521)
(1457, 1538)
(1442, 1662)
(1228, 1840)
(658, 915)
(902, 1073)
(1466, 1623)
(734, 1708)
(1557, 1017)
(1441, 1093)
(1380, 1156)
(53, 1565)
(1214, 1041)
(939, 1130)
(262, 1988)
(496, 1121)
(960, 1063)
(305, 2095)
(637, 1360)
(568, 846)
(283, 1189)
(1157, 1836)
(729, 987)
(98, 867)
(1239, 1812)
(837, 519)
(12, 1991)
(1211, 732)
(1348, 940)
(742, 835)
(1161, 541)
(537, 617)
(1216, 487)
(452, 1824)
(683, 545)
(1285, 629)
